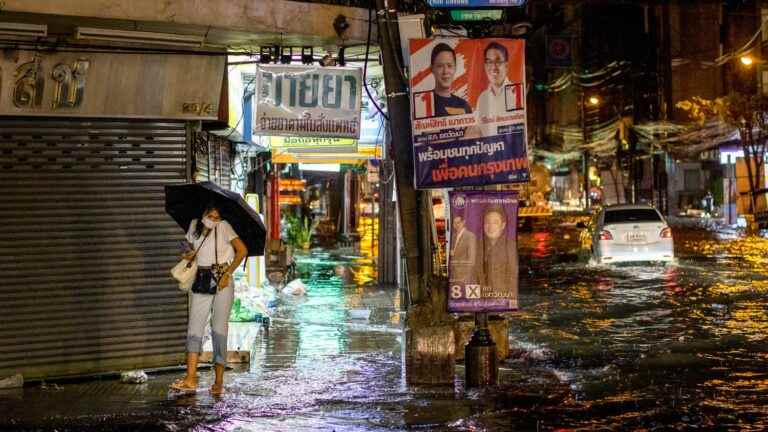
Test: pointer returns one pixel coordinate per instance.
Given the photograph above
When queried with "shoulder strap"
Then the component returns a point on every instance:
(216, 243)
(199, 246)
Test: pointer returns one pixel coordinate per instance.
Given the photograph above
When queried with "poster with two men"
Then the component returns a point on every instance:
(468, 116)
(468, 112)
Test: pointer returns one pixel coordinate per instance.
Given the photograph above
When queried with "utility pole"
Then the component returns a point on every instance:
(585, 137)
(409, 199)
(429, 336)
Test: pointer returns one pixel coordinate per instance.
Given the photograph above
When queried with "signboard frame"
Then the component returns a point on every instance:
(308, 101)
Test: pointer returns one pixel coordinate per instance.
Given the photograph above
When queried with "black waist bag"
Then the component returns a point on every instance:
(205, 282)
(206, 279)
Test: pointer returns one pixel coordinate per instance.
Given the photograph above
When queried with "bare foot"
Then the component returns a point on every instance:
(217, 389)
(185, 384)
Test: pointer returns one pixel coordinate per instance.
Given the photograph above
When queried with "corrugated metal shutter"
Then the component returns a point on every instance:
(86, 245)
(212, 159)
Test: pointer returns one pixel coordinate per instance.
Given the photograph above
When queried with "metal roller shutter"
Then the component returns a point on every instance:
(86, 245)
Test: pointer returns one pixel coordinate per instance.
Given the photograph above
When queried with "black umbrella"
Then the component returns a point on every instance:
(188, 201)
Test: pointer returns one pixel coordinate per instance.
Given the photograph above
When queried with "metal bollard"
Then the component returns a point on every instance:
(481, 367)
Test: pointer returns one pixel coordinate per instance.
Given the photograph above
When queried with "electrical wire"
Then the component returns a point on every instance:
(365, 68)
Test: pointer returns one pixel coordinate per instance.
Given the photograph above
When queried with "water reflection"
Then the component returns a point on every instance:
(632, 347)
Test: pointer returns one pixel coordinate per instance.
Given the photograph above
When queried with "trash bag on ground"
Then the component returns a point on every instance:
(295, 288)
(134, 377)
(13, 381)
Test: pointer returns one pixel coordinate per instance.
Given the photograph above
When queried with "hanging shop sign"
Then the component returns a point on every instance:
(483, 261)
(363, 153)
(468, 112)
(313, 144)
(111, 85)
(308, 101)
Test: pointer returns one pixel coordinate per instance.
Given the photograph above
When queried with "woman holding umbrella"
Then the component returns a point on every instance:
(218, 252)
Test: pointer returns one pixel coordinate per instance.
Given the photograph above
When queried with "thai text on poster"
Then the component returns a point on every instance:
(483, 260)
(468, 112)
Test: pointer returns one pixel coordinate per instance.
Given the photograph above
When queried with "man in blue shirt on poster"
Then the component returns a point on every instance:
(443, 65)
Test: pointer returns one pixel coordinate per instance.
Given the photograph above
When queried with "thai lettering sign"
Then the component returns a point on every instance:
(80, 84)
(483, 261)
(313, 144)
(468, 112)
(308, 101)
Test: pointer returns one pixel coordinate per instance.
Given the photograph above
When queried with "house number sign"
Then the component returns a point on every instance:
(68, 84)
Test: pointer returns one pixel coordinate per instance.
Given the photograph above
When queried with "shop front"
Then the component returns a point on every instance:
(88, 140)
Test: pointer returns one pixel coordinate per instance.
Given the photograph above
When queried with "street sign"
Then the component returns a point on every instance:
(474, 3)
(467, 15)
(559, 51)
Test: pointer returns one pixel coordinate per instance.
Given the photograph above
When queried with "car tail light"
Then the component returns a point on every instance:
(605, 235)
(666, 233)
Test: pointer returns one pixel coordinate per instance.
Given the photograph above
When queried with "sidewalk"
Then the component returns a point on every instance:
(316, 369)
(313, 352)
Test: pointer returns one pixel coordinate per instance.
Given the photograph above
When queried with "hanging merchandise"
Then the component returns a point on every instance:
(468, 111)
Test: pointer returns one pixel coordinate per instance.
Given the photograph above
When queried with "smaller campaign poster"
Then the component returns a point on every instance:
(483, 261)
(468, 112)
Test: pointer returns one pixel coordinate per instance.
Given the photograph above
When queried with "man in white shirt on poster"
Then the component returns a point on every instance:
(491, 102)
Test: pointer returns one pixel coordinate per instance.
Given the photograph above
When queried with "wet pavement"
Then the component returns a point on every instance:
(678, 347)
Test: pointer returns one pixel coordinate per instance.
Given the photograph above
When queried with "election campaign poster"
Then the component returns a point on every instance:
(314, 101)
(483, 262)
(468, 112)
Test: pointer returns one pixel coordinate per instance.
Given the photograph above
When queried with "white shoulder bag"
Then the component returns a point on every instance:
(185, 270)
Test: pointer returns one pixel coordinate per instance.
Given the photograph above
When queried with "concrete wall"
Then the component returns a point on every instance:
(289, 18)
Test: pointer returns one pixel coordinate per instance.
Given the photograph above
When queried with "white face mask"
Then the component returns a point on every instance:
(210, 223)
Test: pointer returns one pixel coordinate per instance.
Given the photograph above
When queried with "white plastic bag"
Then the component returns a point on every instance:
(295, 287)
(184, 272)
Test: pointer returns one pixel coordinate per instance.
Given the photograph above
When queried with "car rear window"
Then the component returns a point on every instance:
(631, 215)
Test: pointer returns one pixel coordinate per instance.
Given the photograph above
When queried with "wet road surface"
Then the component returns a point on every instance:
(680, 347)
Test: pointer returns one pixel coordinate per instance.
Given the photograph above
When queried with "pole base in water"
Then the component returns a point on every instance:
(481, 366)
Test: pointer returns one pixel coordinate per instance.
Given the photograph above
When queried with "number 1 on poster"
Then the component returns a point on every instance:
(514, 97)
(424, 105)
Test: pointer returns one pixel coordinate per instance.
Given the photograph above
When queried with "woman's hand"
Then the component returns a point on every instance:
(224, 281)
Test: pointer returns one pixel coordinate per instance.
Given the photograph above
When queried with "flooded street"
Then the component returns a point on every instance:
(676, 347)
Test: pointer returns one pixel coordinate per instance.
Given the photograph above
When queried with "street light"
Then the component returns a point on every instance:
(593, 100)
(746, 60)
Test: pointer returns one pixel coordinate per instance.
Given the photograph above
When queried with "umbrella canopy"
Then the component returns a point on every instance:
(188, 201)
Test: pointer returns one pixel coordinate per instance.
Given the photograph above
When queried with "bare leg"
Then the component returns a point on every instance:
(218, 385)
(191, 378)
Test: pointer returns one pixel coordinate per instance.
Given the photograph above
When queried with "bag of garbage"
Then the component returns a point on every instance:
(295, 287)
(13, 381)
(134, 377)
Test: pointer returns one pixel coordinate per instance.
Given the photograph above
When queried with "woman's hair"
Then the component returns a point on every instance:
(200, 225)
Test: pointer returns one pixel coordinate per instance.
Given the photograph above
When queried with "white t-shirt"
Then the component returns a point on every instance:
(489, 105)
(206, 256)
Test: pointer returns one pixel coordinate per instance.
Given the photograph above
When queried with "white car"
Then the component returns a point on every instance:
(625, 233)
